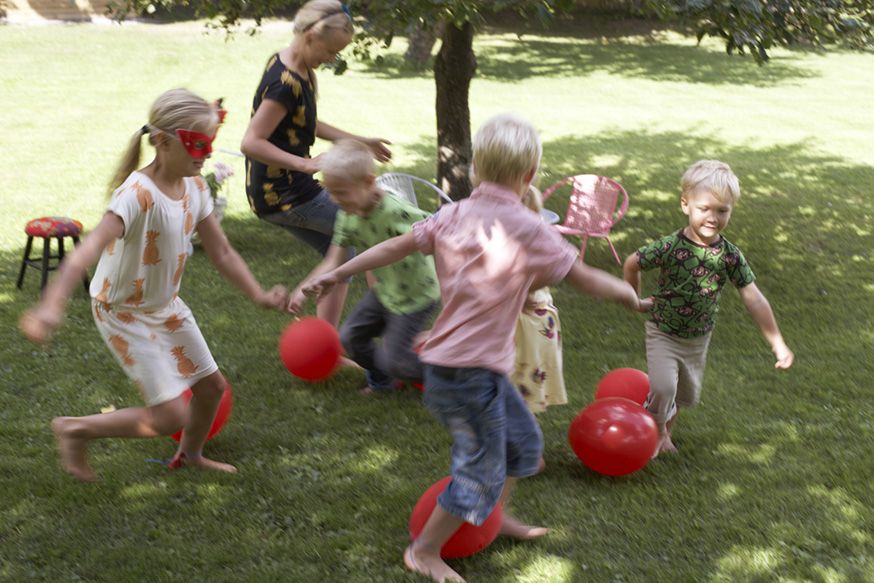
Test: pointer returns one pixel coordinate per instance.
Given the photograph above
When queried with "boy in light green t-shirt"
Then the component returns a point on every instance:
(406, 293)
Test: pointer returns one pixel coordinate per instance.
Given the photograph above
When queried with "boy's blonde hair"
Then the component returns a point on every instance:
(713, 175)
(176, 109)
(321, 15)
(348, 160)
(505, 148)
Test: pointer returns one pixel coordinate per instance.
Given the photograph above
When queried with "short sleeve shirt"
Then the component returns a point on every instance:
(272, 189)
(691, 279)
(142, 270)
(404, 287)
(489, 250)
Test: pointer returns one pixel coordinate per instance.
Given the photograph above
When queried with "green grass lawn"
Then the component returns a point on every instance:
(775, 480)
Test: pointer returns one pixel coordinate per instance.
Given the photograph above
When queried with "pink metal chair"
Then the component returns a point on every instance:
(591, 210)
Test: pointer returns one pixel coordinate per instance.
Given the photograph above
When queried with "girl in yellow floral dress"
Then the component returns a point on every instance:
(538, 374)
(142, 242)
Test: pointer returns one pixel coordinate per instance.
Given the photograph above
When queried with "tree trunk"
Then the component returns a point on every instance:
(454, 67)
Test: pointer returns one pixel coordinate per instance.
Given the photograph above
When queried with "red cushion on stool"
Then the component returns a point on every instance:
(53, 227)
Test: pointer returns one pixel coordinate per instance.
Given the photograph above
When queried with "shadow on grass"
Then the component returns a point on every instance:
(551, 55)
(772, 481)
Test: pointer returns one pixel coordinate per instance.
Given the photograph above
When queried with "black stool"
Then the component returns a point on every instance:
(48, 228)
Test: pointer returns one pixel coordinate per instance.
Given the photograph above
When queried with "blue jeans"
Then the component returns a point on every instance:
(494, 435)
(394, 357)
(312, 222)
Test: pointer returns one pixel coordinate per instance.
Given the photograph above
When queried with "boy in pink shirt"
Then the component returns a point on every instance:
(489, 251)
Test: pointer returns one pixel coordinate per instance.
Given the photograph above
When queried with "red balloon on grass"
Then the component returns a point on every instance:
(310, 349)
(221, 416)
(628, 383)
(468, 539)
(614, 436)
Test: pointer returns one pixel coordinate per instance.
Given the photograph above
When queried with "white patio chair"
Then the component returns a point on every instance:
(405, 186)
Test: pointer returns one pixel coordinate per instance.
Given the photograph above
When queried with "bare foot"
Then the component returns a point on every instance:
(180, 459)
(430, 565)
(541, 465)
(515, 529)
(665, 445)
(73, 450)
(668, 445)
(349, 363)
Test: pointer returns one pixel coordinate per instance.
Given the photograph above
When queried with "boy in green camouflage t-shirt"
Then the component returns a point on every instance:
(694, 265)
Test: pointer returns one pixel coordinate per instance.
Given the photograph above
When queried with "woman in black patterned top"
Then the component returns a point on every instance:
(284, 125)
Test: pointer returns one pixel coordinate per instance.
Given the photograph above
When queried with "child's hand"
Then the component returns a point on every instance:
(40, 323)
(785, 357)
(296, 301)
(645, 305)
(276, 298)
(319, 286)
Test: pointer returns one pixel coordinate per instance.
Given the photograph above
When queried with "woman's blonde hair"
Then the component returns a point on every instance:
(177, 109)
(319, 15)
(713, 175)
(505, 148)
(348, 160)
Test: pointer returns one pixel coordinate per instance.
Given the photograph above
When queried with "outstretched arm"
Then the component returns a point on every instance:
(386, 253)
(39, 323)
(234, 269)
(760, 310)
(631, 274)
(377, 145)
(333, 259)
(601, 284)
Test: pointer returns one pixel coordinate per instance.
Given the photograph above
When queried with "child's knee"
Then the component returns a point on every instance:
(170, 417)
(210, 387)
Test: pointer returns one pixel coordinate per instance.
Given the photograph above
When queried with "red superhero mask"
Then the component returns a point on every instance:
(197, 145)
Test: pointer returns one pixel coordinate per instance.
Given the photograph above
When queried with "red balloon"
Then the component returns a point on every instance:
(310, 349)
(468, 539)
(221, 416)
(614, 436)
(628, 383)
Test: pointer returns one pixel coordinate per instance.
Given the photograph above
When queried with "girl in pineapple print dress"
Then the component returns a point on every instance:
(142, 244)
(538, 373)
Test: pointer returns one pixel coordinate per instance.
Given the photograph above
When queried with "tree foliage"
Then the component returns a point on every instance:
(755, 26)
(747, 27)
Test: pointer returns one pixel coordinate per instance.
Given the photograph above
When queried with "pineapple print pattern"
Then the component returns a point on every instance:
(300, 119)
(189, 218)
(183, 364)
(136, 298)
(173, 323)
(151, 255)
(110, 248)
(126, 317)
(102, 296)
(180, 266)
(122, 348)
(288, 79)
(144, 197)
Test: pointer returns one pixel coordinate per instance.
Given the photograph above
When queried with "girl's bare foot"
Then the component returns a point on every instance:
(73, 450)
(181, 459)
(515, 529)
(430, 565)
